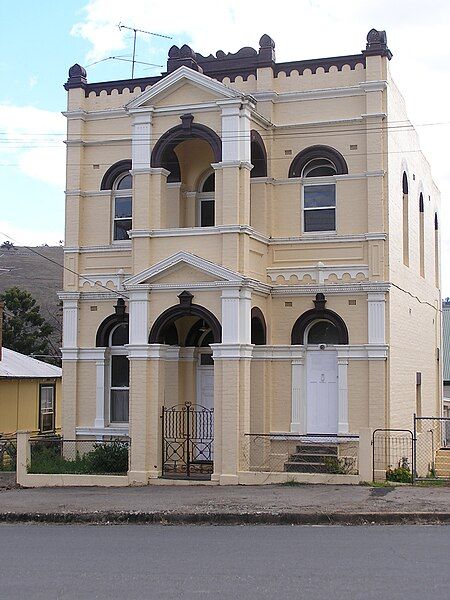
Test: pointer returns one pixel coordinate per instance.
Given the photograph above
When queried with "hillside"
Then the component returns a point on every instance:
(20, 267)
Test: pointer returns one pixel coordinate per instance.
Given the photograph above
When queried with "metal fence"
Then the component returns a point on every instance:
(393, 455)
(294, 453)
(57, 456)
(8, 453)
(432, 448)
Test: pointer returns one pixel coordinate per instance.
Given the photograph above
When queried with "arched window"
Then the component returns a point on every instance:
(322, 332)
(119, 375)
(205, 201)
(258, 328)
(421, 236)
(258, 155)
(405, 220)
(319, 199)
(122, 206)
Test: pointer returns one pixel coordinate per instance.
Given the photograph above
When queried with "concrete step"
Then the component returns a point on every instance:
(310, 458)
(296, 467)
(327, 449)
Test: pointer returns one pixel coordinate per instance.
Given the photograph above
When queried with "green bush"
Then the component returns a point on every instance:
(108, 458)
(399, 475)
(111, 458)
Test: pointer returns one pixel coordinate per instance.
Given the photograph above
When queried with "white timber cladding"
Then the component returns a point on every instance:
(376, 307)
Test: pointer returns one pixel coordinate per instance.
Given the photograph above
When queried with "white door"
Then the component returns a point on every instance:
(203, 447)
(205, 386)
(322, 392)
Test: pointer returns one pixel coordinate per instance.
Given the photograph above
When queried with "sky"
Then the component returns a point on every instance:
(41, 40)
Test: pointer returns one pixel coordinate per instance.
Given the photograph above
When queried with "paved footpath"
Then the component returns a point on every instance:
(278, 504)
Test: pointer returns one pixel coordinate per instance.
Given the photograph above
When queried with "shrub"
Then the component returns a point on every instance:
(111, 458)
(108, 458)
(399, 475)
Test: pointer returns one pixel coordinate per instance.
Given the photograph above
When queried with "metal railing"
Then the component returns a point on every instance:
(432, 448)
(294, 453)
(393, 455)
(56, 455)
(8, 453)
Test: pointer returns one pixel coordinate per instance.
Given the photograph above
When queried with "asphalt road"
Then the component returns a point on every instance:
(253, 562)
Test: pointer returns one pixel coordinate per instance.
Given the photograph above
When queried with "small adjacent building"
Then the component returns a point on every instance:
(30, 394)
(256, 239)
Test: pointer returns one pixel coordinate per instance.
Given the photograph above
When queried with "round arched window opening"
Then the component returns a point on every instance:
(206, 201)
(319, 167)
(122, 206)
(323, 332)
(119, 375)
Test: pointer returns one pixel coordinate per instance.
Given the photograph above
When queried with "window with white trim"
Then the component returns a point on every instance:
(319, 199)
(122, 206)
(206, 202)
(119, 375)
(47, 393)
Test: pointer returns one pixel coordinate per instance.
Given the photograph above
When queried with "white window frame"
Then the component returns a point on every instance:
(311, 182)
(51, 411)
(116, 351)
(202, 197)
(116, 193)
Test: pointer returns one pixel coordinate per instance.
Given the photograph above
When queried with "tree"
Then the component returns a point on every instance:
(24, 328)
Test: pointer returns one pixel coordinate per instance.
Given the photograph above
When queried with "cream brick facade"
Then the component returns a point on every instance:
(251, 122)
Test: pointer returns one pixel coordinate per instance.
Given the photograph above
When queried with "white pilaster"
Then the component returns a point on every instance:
(298, 396)
(342, 395)
(230, 129)
(376, 307)
(101, 388)
(138, 308)
(236, 316)
(141, 141)
(70, 321)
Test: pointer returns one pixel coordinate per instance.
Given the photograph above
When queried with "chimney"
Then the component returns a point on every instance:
(1, 328)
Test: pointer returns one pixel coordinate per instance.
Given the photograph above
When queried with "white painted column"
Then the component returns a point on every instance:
(376, 308)
(230, 129)
(236, 316)
(342, 395)
(101, 387)
(138, 309)
(141, 140)
(298, 397)
(70, 319)
(244, 132)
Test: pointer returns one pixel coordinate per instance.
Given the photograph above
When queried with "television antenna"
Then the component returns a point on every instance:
(135, 31)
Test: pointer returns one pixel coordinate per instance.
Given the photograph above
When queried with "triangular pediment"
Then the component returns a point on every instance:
(187, 87)
(183, 268)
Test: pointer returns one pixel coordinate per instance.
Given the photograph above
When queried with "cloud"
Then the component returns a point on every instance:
(32, 139)
(32, 82)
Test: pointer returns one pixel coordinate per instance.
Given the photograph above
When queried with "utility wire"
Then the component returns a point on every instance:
(10, 238)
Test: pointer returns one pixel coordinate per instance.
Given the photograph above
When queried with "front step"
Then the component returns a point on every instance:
(314, 458)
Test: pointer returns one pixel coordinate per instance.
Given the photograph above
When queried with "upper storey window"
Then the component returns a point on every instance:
(122, 206)
(206, 202)
(319, 199)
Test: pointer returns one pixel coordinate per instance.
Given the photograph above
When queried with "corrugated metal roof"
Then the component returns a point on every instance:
(15, 365)
(446, 342)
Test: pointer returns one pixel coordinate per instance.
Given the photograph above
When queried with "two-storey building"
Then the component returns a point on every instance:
(256, 238)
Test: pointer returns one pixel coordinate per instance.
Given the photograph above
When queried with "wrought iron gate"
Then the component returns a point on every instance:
(187, 441)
